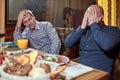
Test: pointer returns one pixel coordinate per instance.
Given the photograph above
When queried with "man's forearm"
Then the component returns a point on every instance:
(73, 37)
(16, 33)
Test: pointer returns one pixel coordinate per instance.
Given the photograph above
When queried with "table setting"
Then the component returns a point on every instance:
(59, 67)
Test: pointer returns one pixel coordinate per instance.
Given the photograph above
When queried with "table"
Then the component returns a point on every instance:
(93, 75)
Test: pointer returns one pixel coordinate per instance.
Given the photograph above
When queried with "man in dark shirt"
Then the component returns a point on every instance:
(99, 43)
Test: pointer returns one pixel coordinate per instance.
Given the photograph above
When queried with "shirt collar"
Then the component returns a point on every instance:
(36, 26)
(102, 25)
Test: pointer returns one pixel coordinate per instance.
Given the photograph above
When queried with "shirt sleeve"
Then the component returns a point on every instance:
(106, 37)
(73, 37)
(17, 33)
(56, 44)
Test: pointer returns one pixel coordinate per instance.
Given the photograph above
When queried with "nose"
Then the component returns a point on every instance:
(28, 22)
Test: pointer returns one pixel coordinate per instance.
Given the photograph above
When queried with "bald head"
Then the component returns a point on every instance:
(98, 10)
(94, 13)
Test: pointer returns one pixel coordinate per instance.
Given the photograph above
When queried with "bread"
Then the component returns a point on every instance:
(23, 59)
(59, 69)
(33, 56)
(46, 67)
(37, 72)
(27, 58)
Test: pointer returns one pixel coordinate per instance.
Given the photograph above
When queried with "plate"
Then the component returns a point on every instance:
(60, 59)
(19, 51)
(7, 76)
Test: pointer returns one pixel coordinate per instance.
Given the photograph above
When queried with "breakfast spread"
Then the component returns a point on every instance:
(38, 65)
(31, 65)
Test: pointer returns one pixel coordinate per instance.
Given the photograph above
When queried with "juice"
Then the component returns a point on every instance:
(22, 43)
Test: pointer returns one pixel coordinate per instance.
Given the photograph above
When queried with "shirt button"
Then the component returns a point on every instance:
(83, 60)
(86, 52)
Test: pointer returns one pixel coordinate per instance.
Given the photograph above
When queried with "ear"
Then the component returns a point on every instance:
(101, 18)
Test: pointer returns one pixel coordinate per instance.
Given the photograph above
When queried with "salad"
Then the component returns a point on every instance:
(54, 58)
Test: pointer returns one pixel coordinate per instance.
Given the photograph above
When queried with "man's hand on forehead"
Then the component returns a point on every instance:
(25, 13)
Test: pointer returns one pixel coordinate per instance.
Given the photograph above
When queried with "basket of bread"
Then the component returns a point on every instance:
(29, 67)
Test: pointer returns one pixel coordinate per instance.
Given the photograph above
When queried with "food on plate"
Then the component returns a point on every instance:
(37, 72)
(30, 57)
(59, 69)
(55, 58)
(17, 68)
(28, 65)
(23, 59)
(46, 67)
(33, 56)
(1, 59)
(2, 49)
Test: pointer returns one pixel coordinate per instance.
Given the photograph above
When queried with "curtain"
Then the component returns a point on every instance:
(118, 13)
(110, 11)
(55, 9)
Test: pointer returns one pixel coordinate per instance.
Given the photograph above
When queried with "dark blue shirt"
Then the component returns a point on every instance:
(98, 45)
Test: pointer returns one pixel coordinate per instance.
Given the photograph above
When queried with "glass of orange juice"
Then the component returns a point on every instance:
(22, 43)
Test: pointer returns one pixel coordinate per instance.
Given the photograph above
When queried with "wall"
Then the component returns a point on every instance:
(10, 29)
(57, 16)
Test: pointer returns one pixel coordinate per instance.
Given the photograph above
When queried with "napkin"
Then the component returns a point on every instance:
(19, 51)
(75, 70)
(7, 43)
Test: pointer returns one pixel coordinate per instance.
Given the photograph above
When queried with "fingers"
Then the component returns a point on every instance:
(21, 16)
(93, 15)
(85, 20)
(22, 13)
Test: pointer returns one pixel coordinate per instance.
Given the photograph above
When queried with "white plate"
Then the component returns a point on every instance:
(60, 59)
(19, 51)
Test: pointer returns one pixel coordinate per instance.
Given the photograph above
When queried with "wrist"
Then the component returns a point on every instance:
(82, 27)
(18, 25)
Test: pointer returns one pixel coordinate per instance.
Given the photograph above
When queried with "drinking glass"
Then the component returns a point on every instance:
(22, 43)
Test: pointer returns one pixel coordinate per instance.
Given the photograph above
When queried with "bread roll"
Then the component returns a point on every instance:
(37, 72)
(23, 59)
(33, 56)
(46, 67)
